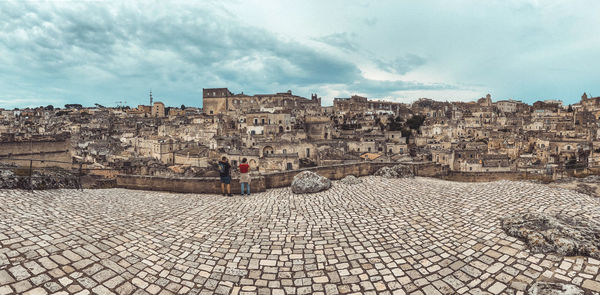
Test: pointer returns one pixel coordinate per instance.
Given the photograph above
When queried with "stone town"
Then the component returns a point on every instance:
(386, 233)
(284, 131)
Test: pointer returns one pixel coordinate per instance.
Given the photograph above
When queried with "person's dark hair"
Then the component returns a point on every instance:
(224, 159)
(244, 160)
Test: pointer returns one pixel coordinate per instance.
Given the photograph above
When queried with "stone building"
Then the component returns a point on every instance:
(360, 104)
(158, 110)
(221, 100)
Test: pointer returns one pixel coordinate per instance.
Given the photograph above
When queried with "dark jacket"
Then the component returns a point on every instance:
(224, 169)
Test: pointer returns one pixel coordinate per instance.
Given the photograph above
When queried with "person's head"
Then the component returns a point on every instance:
(224, 159)
(244, 160)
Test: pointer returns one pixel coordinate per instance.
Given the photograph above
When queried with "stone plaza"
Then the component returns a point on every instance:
(381, 236)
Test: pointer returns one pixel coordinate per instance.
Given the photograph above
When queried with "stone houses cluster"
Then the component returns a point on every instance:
(284, 131)
(486, 136)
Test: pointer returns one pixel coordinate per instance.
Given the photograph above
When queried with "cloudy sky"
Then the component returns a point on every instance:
(88, 52)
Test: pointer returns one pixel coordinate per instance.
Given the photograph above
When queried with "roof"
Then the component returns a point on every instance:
(370, 156)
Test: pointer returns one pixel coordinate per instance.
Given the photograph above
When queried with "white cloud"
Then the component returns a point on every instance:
(90, 51)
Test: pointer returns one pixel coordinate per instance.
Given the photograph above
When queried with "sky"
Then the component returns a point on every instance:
(112, 52)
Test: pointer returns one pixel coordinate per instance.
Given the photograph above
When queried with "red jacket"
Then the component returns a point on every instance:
(244, 167)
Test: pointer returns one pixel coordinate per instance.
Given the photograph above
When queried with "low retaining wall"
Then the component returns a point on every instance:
(428, 169)
(212, 185)
(494, 176)
(205, 185)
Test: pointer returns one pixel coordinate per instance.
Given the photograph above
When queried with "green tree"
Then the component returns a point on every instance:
(415, 122)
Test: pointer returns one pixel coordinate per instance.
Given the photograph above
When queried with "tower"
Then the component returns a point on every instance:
(150, 97)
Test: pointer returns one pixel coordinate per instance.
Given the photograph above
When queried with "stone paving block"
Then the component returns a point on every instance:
(5, 290)
(19, 272)
(36, 291)
(5, 278)
(383, 236)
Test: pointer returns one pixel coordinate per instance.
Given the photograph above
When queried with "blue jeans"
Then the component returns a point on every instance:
(247, 185)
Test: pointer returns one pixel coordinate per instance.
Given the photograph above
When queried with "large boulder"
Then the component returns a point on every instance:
(556, 234)
(309, 182)
(554, 288)
(398, 171)
(351, 180)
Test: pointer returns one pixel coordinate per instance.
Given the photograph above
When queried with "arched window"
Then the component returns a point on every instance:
(268, 150)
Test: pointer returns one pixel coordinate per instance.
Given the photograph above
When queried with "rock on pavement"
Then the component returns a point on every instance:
(351, 180)
(398, 171)
(559, 234)
(309, 182)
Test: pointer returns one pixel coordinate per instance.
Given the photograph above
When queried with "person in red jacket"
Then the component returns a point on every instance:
(245, 176)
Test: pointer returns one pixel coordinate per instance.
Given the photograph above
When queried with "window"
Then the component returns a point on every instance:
(284, 151)
(263, 121)
(369, 149)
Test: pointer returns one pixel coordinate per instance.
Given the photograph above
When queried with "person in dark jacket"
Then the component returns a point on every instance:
(225, 174)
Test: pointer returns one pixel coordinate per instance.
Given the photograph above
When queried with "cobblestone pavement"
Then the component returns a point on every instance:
(394, 236)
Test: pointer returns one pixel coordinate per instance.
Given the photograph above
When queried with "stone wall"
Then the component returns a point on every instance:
(259, 183)
(268, 180)
(206, 185)
(106, 173)
(46, 151)
(494, 176)
(428, 169)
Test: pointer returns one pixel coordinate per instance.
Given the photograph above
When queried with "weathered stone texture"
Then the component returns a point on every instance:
(381, 236)
(309, 182)
(350, 180)
(397, 171)
(559, 234)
